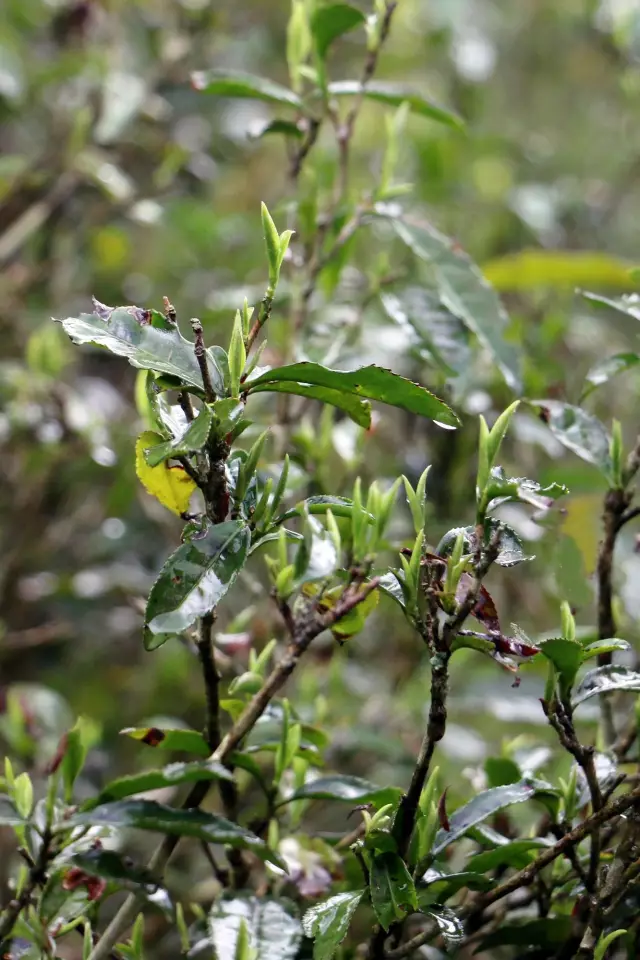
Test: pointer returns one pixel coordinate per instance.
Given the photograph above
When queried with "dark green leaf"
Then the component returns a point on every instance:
(605, 370)
(394, 95)
(547, 934)
(245, 762)
(234, 83)
(111, 865)
(194, 579)
(605, 679)
(501, 771)
(393, 893)
(286, 127)
(126, 332)
(577, 430)
(628, 304)
(464, 291)
(374, 383)
(9, 816)
(391, 585)
(169, 776)
(193, 438)
(358, 410)
(501, 489)
(485, 805)
(511, 549)
(442, 338)
(183, 741)
(330, 22)
(449, 924)
(516, 854)
(149, 815)
(351, 789)
(437, 887)
(565, 655)
(327, 924)
(273, 927)
(603, 646)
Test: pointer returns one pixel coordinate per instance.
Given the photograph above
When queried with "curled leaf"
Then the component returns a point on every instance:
(172, 486)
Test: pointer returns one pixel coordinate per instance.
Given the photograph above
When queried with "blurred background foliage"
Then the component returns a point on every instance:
(118, 179)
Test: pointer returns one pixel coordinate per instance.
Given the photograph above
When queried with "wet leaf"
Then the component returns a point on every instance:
(183, 741)
(439, 887)
(464, 291)
(605, 370)
(605, 679)
(145, 339)
(9, 816)
(327, 924)
(172, 486)
(194, 579)
(339, 506)
(193, 438)
(485, 805)
(171, 775)
(373, 383)
(346, 788)
(577, 430)
(272, 927)
(234, 83)
(500, 489)
(629, 304)
(511, 549)
(390, 584)
(516, 854)
(111, 865)
(158, 817)
(394, 95)
(393, 894)
(440, 335)
(358, 410)
(449, 924)
(603, 646)
(332, 21)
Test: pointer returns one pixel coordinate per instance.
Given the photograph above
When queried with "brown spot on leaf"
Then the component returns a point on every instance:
(153, 737)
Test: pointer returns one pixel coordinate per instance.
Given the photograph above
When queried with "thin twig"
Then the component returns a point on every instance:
(201, 357)
(36, 878)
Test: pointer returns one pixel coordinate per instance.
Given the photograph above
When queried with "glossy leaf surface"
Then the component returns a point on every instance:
(272, 927)
(327, 924)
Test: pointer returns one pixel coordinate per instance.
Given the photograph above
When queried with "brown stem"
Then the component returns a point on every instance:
(201, 357)
(36, 878)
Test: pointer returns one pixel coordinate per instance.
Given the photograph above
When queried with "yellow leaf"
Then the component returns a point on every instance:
(530, 269)
(172, 486)
(582, 523)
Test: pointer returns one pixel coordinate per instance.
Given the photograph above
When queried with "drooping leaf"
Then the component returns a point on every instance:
(149, 815)
(577, 430)
(393, 894)
(629, 304)
(484, 805)
(234, 83)
(605, 370)
(556, 269)
(272, 927)
(347, 788)
(111, 865)
(194, 579)
(358, 410)
(182, 741)
(171, 775)
(172, 486)
(327, 924)
(604, 680)
(193, 438)
(464, 291)
(146, 342)
(441, 336)
(393, 95)
(373, 383)
(332, 21)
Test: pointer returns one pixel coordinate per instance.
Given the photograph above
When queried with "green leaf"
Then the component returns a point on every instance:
(193, 439)
(194, 579)
(565, 655)
(169, 776)
(332, 21)
(319, 505)
(286, 127)
(183, 741)
(327, 924)
(393, 95)
(501, 770)
(604, 680)
(9, 816)
(464, 291)
(273, 928)
(449, 924)
(374, 383)
(484, 805)
(75, 755)
(605, 370)
(511, 548)
(516, 854)
(234, 83)
(629, 305)
(577, 430)
(438, 887)
(393, 894)
(358, 410)
(501, 489)
(110, 865)
(557, 269)
(603, 646)
(546, 935)
(441, 338)
(349, 789)
(149, 815)
(605, 942)
(129, 332)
